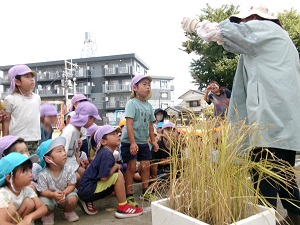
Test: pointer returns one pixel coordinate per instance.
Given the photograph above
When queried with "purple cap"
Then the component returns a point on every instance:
(169, 125)
(48, 110)
(18, 70)
(92, 129)
(137, 79)
(6, 142)
(83, 111)
(106, 129)
(77, 98)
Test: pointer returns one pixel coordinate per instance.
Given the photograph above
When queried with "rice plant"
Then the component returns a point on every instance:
(210, 176)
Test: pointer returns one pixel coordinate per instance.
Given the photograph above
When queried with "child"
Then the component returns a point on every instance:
(56, 182)
(85, 115)
(162, 169)
(89, 134)
(10, 144)
(77, 98)
(17, 200)
(103, 176)
(139, 124)
(48, 120)
(23, 103)
(3, 114)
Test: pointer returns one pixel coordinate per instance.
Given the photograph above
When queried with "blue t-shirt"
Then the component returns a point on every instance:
(45, 135)
(99, 168)
(142, 115)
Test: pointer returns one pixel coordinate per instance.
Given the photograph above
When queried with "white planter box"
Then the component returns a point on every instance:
(162, 215)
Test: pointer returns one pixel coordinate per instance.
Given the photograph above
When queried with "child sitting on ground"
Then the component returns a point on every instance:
(103, 176)
(12, 143)
(56, 182)
(17, 200)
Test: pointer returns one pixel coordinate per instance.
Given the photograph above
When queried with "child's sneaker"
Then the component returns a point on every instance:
(87, 207)
(148, 197)
(70, 216)
(48, 220)
(131, 201)
(127, 211)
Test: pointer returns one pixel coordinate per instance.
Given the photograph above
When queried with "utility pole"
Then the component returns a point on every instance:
(66, 82)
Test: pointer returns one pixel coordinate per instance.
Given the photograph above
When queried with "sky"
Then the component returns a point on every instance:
(44, 30)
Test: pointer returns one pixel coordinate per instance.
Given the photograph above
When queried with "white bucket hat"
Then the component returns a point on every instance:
(261, 11)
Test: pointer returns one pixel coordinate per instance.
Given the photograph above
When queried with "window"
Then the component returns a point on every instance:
(163, 95)
(194, 103)
(138, 68)
(163, 83)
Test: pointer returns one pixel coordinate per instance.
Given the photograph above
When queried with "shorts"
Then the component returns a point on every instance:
(32, 146)
(51, 203)
(104, 188)
(144, 153)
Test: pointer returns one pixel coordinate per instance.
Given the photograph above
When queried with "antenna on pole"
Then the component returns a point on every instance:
(89, 46)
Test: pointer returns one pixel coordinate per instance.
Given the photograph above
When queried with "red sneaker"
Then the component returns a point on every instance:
(127, 211)
(87, 207)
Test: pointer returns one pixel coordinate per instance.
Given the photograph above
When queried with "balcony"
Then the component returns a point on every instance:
(118, 71)
(113, 105)
(109, 88)
(5, 80)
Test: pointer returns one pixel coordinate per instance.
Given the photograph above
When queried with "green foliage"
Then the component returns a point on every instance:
(214, 63)
(290, 21)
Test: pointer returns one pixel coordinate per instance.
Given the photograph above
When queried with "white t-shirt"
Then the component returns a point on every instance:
(25, 116)
(7, 197)
(72, 135)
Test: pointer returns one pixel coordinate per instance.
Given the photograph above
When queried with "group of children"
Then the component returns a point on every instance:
(38, 174)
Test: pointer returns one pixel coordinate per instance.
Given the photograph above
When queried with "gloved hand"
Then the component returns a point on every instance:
(189, 25)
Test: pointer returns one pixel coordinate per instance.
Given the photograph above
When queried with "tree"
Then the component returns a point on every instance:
(214, 63)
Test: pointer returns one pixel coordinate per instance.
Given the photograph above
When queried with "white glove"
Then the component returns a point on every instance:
(189, 25)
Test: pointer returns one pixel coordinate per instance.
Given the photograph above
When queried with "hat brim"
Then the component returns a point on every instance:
(243, 15)
(79, 120)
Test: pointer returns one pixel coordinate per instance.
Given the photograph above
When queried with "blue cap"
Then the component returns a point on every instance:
(9, 162)
(159, 125)
(47, 146)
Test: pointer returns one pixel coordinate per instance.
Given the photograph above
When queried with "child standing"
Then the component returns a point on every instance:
(103, 176)
(48, 120)
(134, 141)
(23, 107)
(56, 182)
(17, 200)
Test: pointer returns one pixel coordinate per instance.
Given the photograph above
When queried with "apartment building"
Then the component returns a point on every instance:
(104, 80)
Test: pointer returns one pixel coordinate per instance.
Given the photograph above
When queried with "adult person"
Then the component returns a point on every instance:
(220, 98)
(266, 79)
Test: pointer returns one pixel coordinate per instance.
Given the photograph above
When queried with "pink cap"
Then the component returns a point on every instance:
(48, 110)
(82, 113)
(7, 141)
(18, 70)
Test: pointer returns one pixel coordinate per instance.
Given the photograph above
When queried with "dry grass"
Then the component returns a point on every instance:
(210, 177)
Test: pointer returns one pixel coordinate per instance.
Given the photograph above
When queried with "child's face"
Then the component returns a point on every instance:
(26, 82)
(22, 178)
(169, 133)
(58, 156)
(112, 140)
(143, 88)
(21, 148)
(51, 120)
(90, 122)
(79, 143)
